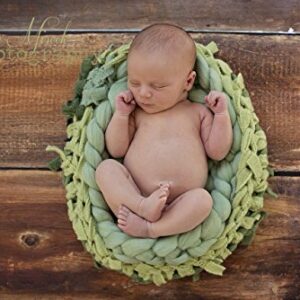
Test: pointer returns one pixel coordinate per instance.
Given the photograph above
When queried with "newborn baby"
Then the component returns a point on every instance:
(164, 138)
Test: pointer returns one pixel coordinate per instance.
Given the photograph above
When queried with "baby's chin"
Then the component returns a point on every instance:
(149, 108)
(152, 109)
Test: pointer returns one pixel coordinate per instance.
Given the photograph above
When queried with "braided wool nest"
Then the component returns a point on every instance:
(237, 184)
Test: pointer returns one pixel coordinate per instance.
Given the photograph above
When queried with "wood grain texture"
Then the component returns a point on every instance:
(41, 257)
(34, 85)
(269, 15)
(40, 253)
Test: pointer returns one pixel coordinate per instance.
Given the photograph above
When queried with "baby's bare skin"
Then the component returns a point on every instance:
(167, 147)
(159, 188)
(166, 161)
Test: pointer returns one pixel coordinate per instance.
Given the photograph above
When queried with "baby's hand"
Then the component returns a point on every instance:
(216, 101)
(125, 103)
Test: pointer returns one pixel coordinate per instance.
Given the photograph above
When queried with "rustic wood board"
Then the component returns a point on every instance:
(40, 255)
(33, 90)
(228, 15)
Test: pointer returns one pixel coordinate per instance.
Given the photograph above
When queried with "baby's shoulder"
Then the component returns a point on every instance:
(198, 106)
(202, 109)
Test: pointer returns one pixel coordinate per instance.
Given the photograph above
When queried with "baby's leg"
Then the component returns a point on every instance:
(118, 187)
(183, 214)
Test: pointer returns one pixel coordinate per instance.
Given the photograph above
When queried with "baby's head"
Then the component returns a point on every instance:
(161, 59)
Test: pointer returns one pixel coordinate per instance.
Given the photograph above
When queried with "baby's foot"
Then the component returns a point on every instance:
(150, 208)
(131, 223)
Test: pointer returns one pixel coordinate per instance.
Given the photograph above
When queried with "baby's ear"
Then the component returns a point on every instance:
(190, 80)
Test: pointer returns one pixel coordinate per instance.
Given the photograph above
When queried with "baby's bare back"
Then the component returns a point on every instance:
(167, 147)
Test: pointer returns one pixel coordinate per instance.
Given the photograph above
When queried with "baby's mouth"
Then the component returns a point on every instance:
(146, 104)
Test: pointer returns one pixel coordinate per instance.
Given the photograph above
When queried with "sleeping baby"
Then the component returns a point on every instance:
(165, 139)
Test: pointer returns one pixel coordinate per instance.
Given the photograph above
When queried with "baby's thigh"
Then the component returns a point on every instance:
(197, 197)
(109, 167)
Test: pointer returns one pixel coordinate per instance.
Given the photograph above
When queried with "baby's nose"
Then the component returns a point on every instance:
(144, 92)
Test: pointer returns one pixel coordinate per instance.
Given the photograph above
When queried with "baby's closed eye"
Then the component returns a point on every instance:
(159, 86)
(133, 83)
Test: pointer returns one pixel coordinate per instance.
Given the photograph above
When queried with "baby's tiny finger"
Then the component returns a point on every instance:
(208, 101)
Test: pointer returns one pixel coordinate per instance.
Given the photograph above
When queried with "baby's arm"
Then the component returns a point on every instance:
(121, 127)
(216, 133)
(119, 134)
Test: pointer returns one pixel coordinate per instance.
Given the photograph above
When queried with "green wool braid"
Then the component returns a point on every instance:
(237, 184)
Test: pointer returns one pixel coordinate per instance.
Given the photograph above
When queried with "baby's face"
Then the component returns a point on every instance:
(157, 82)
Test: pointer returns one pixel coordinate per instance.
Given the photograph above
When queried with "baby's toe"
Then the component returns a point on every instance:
(121, 226)
(122, 221)
(123, 214)
(164, 187)
(165, 190)
(162, 195)
(123, 209)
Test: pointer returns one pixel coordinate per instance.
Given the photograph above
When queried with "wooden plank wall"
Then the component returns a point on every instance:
(40, 255)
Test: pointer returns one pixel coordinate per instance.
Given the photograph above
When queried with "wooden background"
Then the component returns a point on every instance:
(40, 255)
